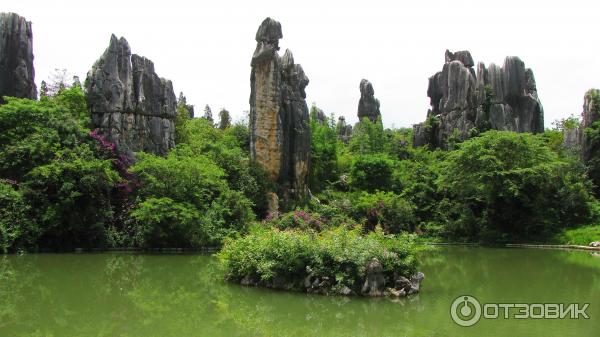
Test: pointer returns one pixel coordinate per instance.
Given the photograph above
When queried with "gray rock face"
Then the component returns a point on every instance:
(320, 116)
(279, 118)
(575, 139)
(129, 103)
(368, 105)
(375, 281)
(344, 130)
(591, 105)
(465, 102)
(17, 75)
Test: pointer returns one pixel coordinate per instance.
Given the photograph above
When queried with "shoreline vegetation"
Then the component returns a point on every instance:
(291, 197)
(78, 193)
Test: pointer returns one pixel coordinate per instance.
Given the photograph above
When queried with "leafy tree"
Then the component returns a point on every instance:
(323, 152)
(201, 209)
(568, 123)
(224, 119)
(59, 80)
(47, 151)
(386, 209)
(415, 179)
(591, 151)
(229, 148)
(184, 113)
(368, 137)
(72, 198)
(508, 186)
(43, 89)
(17, 231)
(371, 172)
(208, 114)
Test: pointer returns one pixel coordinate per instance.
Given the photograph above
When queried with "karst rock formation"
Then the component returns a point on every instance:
(279, 118)
(368, 105)
(344, 130)
(576, 138)
(130, 105)
(16, 57)
(465, 101)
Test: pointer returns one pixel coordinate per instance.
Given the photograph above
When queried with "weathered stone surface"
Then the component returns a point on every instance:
(368, 105)
(320, 116)
(375, 281)
(464, 56)
(465, 102)
(575, 139)
(344, 130)
(589, 116)
(16, 57)
(129, 103)
(279, 118)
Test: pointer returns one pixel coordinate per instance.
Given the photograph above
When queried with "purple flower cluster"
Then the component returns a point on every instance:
(9, 181)
(120, 162)
(301, 215)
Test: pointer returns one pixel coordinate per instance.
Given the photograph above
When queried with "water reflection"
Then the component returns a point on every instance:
(183, 295)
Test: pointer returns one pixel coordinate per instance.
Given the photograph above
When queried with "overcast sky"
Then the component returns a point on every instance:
(205, 47)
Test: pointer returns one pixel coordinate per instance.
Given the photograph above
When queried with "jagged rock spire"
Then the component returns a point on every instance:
(129, 103)
(279, 119)
(17, 75)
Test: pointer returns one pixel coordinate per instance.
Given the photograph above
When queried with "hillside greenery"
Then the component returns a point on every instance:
(64, 186)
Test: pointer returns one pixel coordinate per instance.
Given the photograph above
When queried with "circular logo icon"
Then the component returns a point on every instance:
(465, 310)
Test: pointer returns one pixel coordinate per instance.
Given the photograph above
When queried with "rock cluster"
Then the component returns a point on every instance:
(16, 57)
(320, 116)
(591, 107)
(130, 105)
(464, 102)
(373, 284)
(344, 130)
(575, 139)
(368, 105)
(279, 118)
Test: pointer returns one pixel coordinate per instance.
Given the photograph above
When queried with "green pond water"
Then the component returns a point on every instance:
(183, 295)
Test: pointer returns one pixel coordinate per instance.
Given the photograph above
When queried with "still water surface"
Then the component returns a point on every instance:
(183, 295)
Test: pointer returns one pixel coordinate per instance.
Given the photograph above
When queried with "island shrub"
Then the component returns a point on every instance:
(336, 258)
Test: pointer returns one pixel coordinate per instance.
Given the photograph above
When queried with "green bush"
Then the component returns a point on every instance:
(66, 182)
(504, 186)
(284, 259)
(226, 148)
(578, 236)
(385, 209)
(371, 172)
(415, 180)
(197, 201)
(16, 229)
(71, 198)
(323, 154)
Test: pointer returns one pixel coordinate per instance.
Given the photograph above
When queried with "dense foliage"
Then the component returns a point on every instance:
(285, 259)
(65, 186)
(56, 171)
(508, 186)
